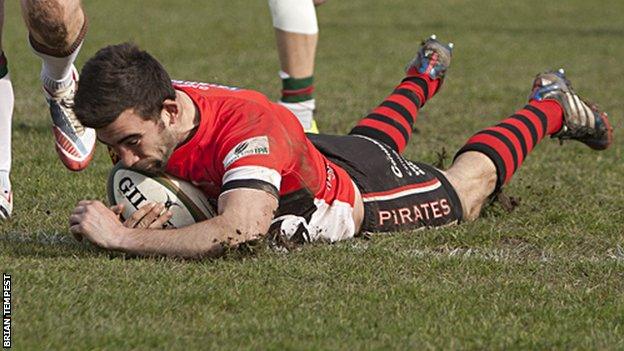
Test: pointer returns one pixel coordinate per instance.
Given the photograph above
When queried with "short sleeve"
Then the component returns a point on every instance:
(254, 149)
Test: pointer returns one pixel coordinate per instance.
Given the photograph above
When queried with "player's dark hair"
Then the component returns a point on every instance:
(117, 78)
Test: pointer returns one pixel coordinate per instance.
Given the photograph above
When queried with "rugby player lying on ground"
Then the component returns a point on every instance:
(253, 155)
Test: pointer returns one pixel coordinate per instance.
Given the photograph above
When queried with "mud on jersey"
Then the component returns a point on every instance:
(246, 141)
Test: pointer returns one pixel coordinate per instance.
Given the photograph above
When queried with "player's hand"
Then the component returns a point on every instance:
(319, 2)
(152, 215)
(97, 223)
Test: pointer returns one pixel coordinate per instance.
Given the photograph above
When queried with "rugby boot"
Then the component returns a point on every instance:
(433, 58)
(6, 204)
(582, 120)
(74, 143)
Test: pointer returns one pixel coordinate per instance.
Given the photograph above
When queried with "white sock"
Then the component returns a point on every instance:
(6, 113)
(303, 110)
(5, 184)
(56, 72)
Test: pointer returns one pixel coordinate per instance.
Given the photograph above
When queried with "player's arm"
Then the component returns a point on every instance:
(251, 158)
(244, 215)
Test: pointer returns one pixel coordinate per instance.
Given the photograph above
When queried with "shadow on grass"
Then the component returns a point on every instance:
(43, 127)
(44, 245)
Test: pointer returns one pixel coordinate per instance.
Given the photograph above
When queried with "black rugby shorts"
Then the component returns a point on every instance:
(398, 194)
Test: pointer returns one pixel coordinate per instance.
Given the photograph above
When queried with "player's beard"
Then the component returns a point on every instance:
(158, 164)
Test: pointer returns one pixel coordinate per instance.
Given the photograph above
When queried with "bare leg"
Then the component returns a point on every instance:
(1, 21)
(473, 175)
(57, 29)
(296, 33)
(296, 53)
(53, 24)
(6, 113)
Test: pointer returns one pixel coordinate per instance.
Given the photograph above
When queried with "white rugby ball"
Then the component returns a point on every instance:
(134, 188)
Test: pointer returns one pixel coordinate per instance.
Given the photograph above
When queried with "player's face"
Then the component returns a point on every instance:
(142, 144)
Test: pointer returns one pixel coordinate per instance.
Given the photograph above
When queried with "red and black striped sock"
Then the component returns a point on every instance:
(508, 143)
(297, 89)
(392, 121)
(4, 68)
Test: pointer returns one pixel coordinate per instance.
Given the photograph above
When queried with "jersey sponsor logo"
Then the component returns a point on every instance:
(252, 146)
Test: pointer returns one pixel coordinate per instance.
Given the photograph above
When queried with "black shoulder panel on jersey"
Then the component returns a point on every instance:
(251, 184)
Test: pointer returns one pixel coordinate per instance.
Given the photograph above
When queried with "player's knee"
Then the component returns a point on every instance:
(473, 176)
(473, 191)
(472, 211)
(294, 16)
(53, 23)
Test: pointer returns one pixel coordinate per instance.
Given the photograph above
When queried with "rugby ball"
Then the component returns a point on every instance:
(134, 188)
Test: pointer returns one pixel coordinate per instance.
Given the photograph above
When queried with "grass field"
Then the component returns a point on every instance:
(548, 275)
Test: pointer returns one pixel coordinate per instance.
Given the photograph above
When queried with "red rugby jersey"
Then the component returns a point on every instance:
(244, 140)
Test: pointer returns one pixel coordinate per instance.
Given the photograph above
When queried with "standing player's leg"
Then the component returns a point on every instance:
(490, 157)
(56, 32)
(296, 32)
(6, 113)
(392, 121)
